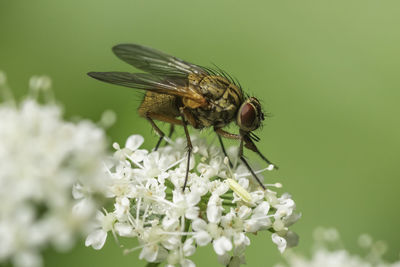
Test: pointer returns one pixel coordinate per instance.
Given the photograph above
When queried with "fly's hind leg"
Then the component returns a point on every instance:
(157, 130)
(159, 107)
(150, 116)
(173, 121)
(171, 131)
(189, 145)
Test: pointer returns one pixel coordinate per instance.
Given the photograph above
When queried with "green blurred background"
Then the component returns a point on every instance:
(327, 71)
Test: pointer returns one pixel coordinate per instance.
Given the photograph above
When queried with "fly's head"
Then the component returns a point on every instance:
(250, 116)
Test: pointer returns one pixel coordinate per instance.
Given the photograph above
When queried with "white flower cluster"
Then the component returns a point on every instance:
(220, 205)
(47, 166)
(327, 254)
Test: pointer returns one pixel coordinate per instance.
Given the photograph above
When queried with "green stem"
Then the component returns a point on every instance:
(230, 204)
(152, 264)
(227, 197)
(187, 226)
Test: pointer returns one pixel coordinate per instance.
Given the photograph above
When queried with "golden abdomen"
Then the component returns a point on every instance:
(159, 104)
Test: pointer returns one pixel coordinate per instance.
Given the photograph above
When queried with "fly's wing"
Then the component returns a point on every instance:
(164, 85)
(155, 62)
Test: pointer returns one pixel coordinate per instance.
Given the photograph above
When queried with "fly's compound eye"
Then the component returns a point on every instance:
(248, 117)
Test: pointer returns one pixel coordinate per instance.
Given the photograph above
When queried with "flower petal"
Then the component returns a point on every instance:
(134, 142)
(96, 239)
(222, 245)
(279, 241)
(202, 238)
(199, 225)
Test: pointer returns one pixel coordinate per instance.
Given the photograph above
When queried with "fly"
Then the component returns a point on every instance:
(182, 93)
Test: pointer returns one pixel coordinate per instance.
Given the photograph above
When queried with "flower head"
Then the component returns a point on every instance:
(220, 206)
(50, 168)
(328, 251)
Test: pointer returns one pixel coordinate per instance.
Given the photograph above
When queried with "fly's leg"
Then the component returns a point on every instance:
(242, 138)
(247, 164)
(171, 130)
(227, 135)
(189, 147)
(157, 130)
(250, 145)
(223, 150)
(150, 116)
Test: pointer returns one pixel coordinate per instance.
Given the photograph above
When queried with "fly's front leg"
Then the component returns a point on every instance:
(250, 145)
(241, 156)
(189, 147)
(240, 137)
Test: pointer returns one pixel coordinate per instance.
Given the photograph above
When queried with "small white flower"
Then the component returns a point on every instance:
(188, 247)
(185, 204)
(279, 241)
(214, 209)
(222, 245)
(153, 253)
(259, 218)
(203, 231)
(98, 237)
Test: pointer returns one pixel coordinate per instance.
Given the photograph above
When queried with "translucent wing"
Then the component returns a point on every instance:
(154, 61)
(163, 85)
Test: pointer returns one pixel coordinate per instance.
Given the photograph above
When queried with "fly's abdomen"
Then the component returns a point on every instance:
(159, 104)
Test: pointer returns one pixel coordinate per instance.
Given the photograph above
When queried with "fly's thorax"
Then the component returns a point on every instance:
(194, 79)
(224, 99)
(213, 86)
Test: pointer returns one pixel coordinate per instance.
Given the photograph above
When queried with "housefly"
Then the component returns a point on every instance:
(182, 93)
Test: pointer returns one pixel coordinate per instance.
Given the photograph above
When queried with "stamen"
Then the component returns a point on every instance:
(168, 140)
(277, 185)
(127, 251)
(131, 221)
(226, 161)
(145, 212)
(107, 169)
(263, 217)
(169, 203)
(116, 238)
(139, 203)
(116, 146)
(256, 172)
(182, 223)
(179, 233)
(174, 164)
(134, 161)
